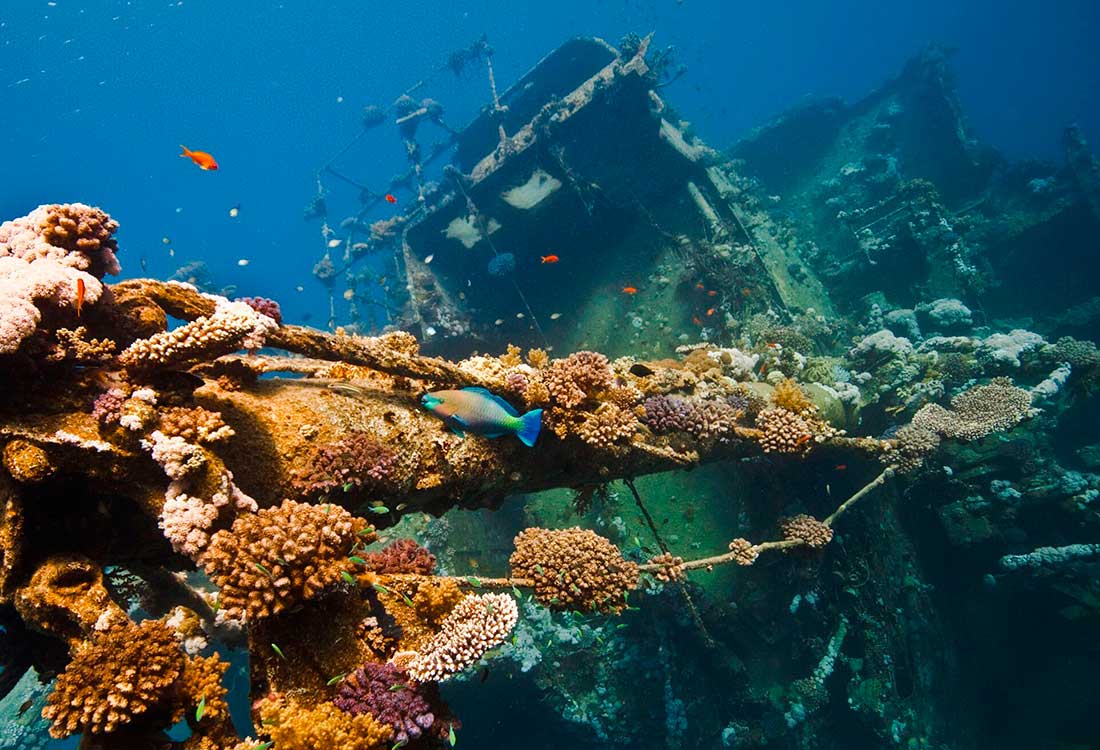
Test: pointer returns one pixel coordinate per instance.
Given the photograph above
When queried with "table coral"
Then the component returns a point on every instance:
(977, 412)
(282, 556)
(477, 624)
(119, 675)
(385, 693)
(573, 569)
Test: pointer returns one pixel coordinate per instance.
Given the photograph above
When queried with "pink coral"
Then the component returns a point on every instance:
(43, 255)
(384, 692)
(107, 407)
(264, 306)
(350, 463)
(402, 556)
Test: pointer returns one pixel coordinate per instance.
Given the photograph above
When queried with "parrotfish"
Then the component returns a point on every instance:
(484, 413)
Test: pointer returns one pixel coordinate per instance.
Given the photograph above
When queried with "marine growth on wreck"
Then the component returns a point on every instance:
(798, 472)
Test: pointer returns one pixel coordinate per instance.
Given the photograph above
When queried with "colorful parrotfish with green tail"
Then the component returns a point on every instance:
(483, 412)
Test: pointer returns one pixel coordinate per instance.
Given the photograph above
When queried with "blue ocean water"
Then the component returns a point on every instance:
(98, 95)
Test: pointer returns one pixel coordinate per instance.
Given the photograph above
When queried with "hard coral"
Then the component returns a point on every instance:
(914, 444)
(281, 556)
(78, 235)
(384, 692)
(475, 625)
(783, 431)
(401, 556)
(233, 326)
(672, 567)
(607, 426)
(701, 418)
(194, 424)
(573, 569)
(264, 306)
(354, 461)
(293, 726)
(117, 677)
(978, 412)
(577, 378)
(743, 551)
(806, 529)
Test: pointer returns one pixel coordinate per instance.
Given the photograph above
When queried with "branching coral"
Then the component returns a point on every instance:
(354, 461)
(264, 306)
(118, 676)
(194, 424)
(477, 624)
(294, 726)
(743, 551)
(783, 431)
(401, 556)
(232, 326)
(806, 529)
(669, 567)
(577, 378)
(175, 455)
(915, 442)
(704, 419)
(281, 556)
(385, 693)
(607, 426)
(573, 569)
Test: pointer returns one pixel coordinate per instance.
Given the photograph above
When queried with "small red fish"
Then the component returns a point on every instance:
(841, 467)
(79, 295)
(802, 439)
(203, 159)
(710, 311)
(712, 293)
(696, 321)
(630, 290)
(746, 292)
(700, 287)
(390, 198)
(549, 258)
(773, 345)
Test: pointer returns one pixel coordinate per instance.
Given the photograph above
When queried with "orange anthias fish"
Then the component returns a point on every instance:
(630, 290)
(390, 198)
(549, 258)
(203, 159)
(696, 321)
(79, 295)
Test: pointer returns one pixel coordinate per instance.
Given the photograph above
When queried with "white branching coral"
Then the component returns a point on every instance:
(174, 454)
(233, 326)
(475, 625)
